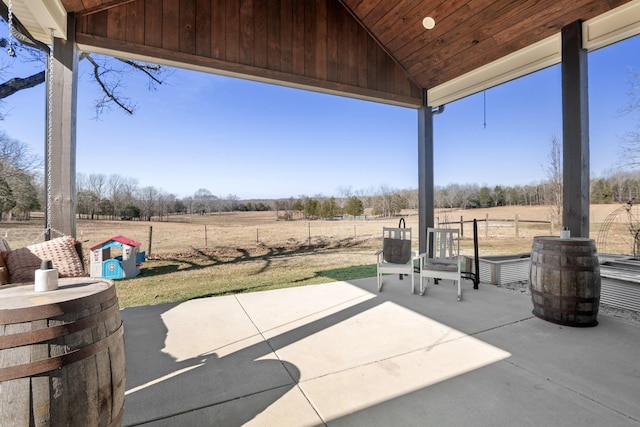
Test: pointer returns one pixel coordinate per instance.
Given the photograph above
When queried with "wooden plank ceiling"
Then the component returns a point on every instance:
(375, 49)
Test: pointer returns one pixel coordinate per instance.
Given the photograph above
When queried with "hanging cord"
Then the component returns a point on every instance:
(484, 107)
(48, 143)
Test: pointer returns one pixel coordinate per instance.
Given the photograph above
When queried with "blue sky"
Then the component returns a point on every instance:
(255, 140)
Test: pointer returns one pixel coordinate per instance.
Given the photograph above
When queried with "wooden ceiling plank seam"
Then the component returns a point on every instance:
(81, 25)
(286, 36)
(170, 24)
(153, 23)
(218, 29)
(116, 29)
(178, 59)
(298, 63)
(512, 25)
(246, 32)
(372, 72)
(260, 37)
(232, 31)
(186, 26)
(203, 28)
(352, 53)
(310, 27)
(363, 38)
(364, 7)
(372, 18)
(135, 22)
(320, 50)
(391, 19)
(273, 31)
(96, 24)
(332, 41)
(342, 23)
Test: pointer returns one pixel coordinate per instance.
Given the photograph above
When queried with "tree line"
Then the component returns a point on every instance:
(117, 197)
(113, 196)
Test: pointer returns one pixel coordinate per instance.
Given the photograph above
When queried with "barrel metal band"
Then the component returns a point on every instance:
(52, 363)
(563, 267)
(39, 336)
(548, 309)
(564, 322)
(564, 298)
(578, 254)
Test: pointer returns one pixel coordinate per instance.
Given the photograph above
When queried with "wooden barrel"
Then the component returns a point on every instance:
(62, 360)
(565, 280)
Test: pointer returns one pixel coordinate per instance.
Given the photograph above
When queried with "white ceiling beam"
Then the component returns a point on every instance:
(525, 61)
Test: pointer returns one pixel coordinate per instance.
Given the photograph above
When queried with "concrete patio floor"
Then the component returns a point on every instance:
(342, 354)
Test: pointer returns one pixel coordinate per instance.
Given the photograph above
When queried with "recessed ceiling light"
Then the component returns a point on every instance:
(428, 23)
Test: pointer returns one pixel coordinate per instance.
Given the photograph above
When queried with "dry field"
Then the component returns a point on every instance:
(254, 230)
(198, 256)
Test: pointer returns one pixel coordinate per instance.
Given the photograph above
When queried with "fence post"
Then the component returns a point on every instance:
(206, 246)
(551, 227)
(486, 226)
(309, 233)
(257, 237)
(517, 227)
(461, 226)
(150, 236)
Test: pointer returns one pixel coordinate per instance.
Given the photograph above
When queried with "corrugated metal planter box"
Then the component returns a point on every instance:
(620, 283)
(501, 269)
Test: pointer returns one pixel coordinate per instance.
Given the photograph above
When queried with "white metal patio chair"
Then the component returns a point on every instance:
(441, 261)
(396, 255)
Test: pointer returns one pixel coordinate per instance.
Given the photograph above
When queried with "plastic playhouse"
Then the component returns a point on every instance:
(125, 265)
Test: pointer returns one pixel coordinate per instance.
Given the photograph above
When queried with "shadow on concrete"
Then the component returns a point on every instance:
(160, 387)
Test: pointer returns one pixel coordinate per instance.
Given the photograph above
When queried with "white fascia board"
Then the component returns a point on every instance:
(611, 27)
(50, 15)
(540, 55)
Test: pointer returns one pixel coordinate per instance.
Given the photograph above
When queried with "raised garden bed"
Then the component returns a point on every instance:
(501, 269)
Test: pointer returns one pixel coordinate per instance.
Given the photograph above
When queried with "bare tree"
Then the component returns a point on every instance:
(108, 73)
(148, 197)
(629, 152)
(554, 176)
(114, 187)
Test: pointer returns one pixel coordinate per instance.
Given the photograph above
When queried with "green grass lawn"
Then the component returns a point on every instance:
(204, 275)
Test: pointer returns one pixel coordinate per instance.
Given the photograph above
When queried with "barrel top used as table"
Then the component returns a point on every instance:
(18, 300)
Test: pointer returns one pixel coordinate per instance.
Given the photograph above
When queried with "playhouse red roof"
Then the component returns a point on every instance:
(121, 239)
